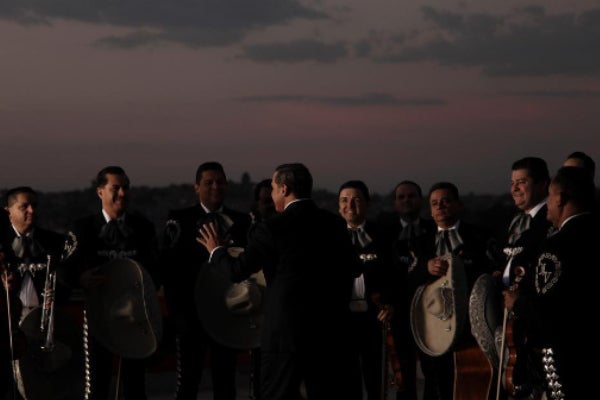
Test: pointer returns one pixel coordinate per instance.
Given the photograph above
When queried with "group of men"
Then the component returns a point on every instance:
(342, 293)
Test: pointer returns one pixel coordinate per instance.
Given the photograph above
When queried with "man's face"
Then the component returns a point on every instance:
(407, 201)
(211, 189)
(444, 208)
(353, 206)
(278, 194)
(525, 192)
(114, 195)
(22, 213)
(553, 203)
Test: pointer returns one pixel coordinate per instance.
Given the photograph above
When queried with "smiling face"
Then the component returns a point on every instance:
(211, 189)
(525, 192)
(353, 206)
(114, 195)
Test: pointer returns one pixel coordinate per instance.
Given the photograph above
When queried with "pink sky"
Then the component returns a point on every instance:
(384, 91)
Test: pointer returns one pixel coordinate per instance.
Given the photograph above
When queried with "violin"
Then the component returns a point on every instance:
(514, 341)
(13, 340)
(391, 366)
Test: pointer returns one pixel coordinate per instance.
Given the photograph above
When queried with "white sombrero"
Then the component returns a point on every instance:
(124, 313)
(232, 313)
(439, 310)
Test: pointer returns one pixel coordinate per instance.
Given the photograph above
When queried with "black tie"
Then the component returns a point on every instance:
(519, 225)
(443, 243)
(115, 232)
(25, 248)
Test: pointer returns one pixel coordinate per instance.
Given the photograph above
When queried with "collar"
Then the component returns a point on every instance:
(206, 210)
(455, 226)
(292, 202)
(537, 208)
(107, 218)
(27, 234)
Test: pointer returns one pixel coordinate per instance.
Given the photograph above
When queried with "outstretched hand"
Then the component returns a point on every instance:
(209, 238)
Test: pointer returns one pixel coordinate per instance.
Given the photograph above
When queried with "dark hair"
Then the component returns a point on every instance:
(11, 195)
(537, 168)
(586, 161)
(101, 178)
(296, 177)
(407, 182)
(356, 184)
(208, 166)
(445, 186)
(265, 183)
(576, 185)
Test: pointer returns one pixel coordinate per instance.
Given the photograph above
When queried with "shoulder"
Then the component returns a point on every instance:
(184, 213)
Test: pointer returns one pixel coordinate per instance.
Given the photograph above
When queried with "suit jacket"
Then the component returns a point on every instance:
(182, 257)
(528, 244)
(376, 270)
(44, 243)
(92, 250)
(565, 285)
(309, 265)
(473, 254)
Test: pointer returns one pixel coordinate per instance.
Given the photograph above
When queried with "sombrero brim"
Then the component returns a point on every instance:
(235, 330)
(486, 315)
(54, 374)
(135, 329)
(435, 334)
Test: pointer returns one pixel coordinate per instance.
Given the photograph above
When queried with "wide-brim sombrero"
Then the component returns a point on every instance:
(439, 310)
(53, 365)
(486, 315)
(124, 313)
(232, 313)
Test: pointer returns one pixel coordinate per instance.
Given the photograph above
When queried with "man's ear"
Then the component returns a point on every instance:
(286, 190)
(564, 198)
(98, 190)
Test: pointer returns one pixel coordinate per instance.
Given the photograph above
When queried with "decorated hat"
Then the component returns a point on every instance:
(232, 313)
(124, 313)
(486, 314)
(439, 310)
(53, 365)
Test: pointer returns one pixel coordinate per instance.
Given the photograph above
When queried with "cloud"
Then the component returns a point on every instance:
(525, 42)
(296, 51)
(191, 23)
(565, 94)
(370, 99)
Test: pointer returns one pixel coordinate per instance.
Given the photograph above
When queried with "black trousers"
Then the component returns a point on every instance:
(193, 345)
(132, 377)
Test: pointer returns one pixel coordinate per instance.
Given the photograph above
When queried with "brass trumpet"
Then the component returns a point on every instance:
(47, 319)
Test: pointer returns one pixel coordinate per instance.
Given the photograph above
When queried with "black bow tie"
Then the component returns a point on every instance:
(115, 232)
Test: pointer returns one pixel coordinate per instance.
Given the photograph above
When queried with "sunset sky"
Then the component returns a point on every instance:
(378, 90)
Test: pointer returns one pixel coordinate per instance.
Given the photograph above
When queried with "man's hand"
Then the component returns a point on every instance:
(209, 238)
(437, 266)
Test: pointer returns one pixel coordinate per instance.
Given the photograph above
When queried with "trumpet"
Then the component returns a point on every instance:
(47, 319)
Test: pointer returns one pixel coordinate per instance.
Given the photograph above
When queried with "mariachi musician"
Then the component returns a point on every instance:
(468, 243)
(528, 228)
(370, 304)
(31, 255)
(112, 233)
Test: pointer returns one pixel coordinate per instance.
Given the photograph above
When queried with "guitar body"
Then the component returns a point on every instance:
(473, 374)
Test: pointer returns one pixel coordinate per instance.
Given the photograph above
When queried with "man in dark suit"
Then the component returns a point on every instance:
(404, 230)
(27, 247)
(563, 282)
(309, 265)
(114, 232)
(467, 242)
(527, 230)
(372, 291)
(182, 262)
